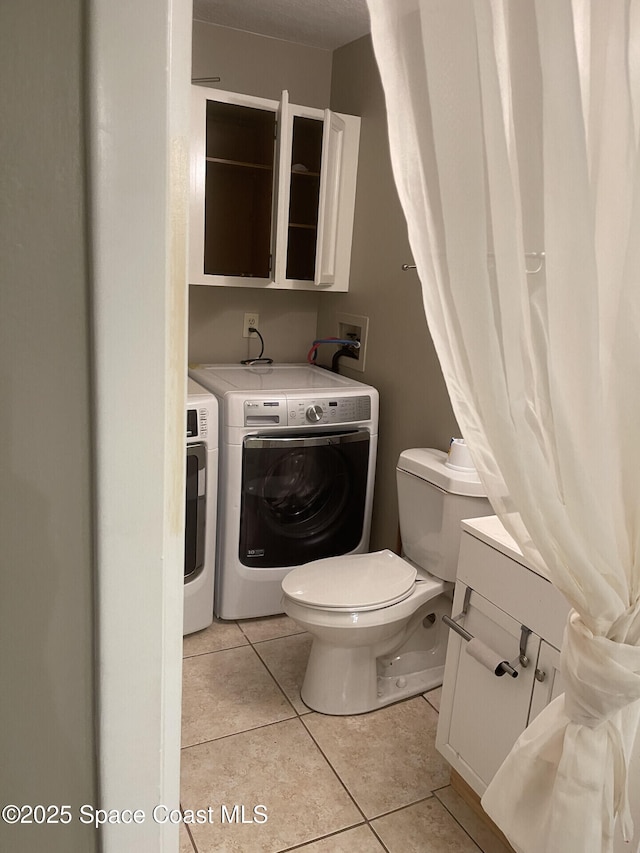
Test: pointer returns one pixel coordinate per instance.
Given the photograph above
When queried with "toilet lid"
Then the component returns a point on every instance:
(354, 582)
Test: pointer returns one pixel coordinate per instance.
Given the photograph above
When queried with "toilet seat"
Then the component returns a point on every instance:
(353, 583)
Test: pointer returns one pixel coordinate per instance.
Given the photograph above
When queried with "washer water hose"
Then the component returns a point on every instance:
(347, 348)
(348, 351)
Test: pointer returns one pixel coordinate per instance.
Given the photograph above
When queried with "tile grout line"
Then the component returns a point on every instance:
(378, 839)
(296, 714)
(435, 791)
(214, 651)
(251, 728)
(449, 812)
(311, 711)
(317, 745)
(333, 769)
(321, 838)
(188, 830)
(266, 666)
(242, 732)
(300, 716)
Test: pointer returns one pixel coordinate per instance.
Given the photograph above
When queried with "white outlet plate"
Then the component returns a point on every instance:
(250, 320)
(359, 325)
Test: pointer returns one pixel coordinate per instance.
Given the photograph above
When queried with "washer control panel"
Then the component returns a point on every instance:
(329, 410)
(307, 411)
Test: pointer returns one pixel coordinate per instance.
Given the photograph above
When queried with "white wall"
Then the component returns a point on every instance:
(287, 323)
(262, 66)
(47, 737)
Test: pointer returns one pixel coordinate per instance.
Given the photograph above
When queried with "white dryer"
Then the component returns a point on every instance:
(201, 507)
(298, 448)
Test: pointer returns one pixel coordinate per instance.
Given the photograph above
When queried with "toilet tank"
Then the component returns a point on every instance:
(432, 501)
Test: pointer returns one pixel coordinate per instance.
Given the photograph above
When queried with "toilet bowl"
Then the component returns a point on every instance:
(365, 655)
(376, 619)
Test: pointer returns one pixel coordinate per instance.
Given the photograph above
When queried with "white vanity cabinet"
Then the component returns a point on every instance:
(272, 193)
(481, 714)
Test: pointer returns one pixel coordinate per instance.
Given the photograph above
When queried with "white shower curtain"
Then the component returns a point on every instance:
(513, 128)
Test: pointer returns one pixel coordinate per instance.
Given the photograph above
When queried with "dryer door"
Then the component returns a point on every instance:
(196, 497)
(303, 497)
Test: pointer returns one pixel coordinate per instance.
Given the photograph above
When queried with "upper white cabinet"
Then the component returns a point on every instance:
(272, 193)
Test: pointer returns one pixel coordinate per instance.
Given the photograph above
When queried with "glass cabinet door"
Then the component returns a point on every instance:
(239, 179)
(304, 196)
(313, 213)
(329, 223)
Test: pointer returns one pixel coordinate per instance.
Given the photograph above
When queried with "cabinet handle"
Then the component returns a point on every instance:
(540, 675)
(457, 628)
(524, 636)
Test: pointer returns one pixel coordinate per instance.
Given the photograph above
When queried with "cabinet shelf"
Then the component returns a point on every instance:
(223, 162)
(301, 225)
(305, 174)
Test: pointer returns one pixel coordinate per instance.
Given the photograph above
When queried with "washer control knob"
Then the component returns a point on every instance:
(314, 414)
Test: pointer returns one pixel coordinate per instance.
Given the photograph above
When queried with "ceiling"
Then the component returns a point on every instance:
(326, 24)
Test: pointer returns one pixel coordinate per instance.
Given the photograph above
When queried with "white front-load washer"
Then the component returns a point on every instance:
(200, 507)
(298, 448)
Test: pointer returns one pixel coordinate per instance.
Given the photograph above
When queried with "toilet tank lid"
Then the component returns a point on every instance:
(353, 582)
(429, 464)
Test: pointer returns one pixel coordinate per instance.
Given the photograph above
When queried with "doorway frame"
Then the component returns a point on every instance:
(138, 66)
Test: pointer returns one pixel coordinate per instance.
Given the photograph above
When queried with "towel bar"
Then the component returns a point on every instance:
(503, 666)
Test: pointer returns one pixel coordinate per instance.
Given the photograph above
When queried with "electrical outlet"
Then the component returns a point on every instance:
(354, 327)
(250, 322)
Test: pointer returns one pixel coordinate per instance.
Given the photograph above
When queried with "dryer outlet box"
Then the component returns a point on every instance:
(354, 327)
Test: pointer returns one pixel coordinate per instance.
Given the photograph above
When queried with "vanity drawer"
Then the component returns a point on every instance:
(524, 595)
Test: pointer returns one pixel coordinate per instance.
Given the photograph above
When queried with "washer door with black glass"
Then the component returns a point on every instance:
(303, 497)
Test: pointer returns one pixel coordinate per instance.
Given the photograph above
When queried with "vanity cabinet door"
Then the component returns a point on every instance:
(482, 714)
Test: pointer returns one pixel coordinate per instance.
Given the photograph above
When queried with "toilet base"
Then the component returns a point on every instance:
(346, 680)
(394, 688)
(378, 691)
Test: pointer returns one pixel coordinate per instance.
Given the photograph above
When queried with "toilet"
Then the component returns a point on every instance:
(376, 619)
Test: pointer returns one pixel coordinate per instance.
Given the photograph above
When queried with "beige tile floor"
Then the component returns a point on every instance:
(251, 748)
